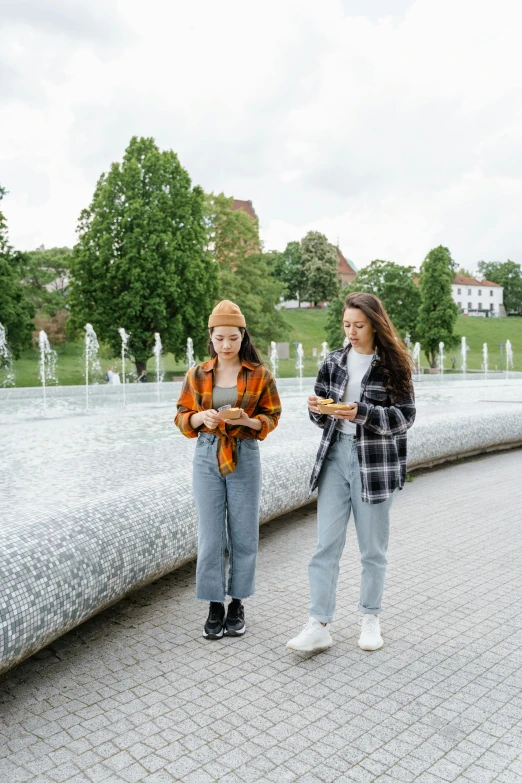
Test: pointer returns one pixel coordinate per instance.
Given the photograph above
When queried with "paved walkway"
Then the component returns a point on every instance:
(137, 695)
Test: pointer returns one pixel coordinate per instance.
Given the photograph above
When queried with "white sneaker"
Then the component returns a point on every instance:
(313, 638)
(370, 638)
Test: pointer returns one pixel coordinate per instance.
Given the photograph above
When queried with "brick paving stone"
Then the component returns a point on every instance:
(135, 695)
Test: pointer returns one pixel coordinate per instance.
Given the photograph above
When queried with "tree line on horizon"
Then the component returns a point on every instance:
(155, 253)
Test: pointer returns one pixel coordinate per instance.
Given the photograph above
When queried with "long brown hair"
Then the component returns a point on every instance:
(396, 362)
(248, 350)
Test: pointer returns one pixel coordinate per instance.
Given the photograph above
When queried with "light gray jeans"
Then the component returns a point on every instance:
(228, 519)
(339, 492)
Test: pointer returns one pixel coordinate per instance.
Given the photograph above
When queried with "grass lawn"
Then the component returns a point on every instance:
(305, 326)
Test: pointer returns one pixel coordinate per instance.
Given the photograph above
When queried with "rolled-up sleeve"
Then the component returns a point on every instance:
(186, 407)
(268, 408)
(321, 390)
(392, 420)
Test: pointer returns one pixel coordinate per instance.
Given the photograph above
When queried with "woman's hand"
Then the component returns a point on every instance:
(312, 403)
(245, 421)
(346, 413)
(210, 418)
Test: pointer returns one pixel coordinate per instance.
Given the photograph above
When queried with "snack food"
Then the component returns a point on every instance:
(330, 407)
(324, 403)
(231, 413)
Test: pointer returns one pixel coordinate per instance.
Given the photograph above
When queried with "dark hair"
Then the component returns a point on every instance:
(248, 351)
(396, 361)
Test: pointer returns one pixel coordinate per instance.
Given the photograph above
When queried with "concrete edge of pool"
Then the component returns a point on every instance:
(63, 569)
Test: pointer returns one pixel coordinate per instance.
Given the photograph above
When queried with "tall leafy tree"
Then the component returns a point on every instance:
(438, 312)
(46, 273)
(231, 233)
(289, 269)
(245, 273)
(320, 267)
(334, 322)
(394, 285)
(140, 261)
(16, 310)
(509, 275)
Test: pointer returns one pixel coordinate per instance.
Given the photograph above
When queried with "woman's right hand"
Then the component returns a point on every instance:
(210, 418)
(312, 403)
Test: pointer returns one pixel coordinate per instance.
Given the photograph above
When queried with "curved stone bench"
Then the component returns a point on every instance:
(61, 570)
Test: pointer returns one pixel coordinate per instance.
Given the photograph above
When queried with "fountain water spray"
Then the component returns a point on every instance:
(47, 363)
(407, 340)
(416, 358)
(509, 357)
(92, 363)
(345, 342)
(190, 353)
(6, 360)
(485, 360)
(273, 358)
(299, 364)
(463, 356)
(441, 360)
(124, 340)
(157, 356)
(323, 354)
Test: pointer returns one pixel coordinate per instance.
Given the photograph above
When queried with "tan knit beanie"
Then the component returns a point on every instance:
(226, 313)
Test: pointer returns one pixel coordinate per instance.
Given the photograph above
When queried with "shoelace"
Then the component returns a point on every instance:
(370, 622)
(215, 611)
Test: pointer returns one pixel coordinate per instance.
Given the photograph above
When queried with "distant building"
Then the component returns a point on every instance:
(478, 297)
(244, 206)
(346, 269)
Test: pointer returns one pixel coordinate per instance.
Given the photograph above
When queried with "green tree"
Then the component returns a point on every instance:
(320, 268)
(465, 272)
(507, 274)
(140, 261)
(438, 312)
(45, 274)
(16, 310)
(289, 270)
(334, 322)
(245, 273)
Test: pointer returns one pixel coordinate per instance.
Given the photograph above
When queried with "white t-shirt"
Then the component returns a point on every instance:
(358, 364)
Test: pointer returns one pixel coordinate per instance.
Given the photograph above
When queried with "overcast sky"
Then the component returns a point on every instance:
(391, 125)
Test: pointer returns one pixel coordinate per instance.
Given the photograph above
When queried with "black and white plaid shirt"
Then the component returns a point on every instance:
(381, 422)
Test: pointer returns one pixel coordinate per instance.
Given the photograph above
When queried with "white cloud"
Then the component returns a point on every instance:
(393, 133)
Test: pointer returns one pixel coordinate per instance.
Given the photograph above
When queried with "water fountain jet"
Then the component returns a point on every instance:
(157, 356)
(6, 360)
(509, 357)
(92, 363)
(47, 364)
(124, 340)
(274, 359)
(299, 363)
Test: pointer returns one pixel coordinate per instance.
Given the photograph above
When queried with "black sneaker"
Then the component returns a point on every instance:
(215, 621)
(235, 622)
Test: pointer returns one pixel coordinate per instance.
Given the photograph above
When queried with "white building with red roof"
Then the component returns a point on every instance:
(478, 297)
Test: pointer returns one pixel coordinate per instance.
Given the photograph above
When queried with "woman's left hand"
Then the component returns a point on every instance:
(348, 414)
(245, 421)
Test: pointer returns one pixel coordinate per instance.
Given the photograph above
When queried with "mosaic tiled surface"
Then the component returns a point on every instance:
(83, 529)
(136, 695)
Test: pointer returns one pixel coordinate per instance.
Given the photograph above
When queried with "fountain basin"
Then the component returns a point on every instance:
(95, 505)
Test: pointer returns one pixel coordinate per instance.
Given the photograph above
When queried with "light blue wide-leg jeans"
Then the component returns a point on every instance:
(339, 492)
(228, 519)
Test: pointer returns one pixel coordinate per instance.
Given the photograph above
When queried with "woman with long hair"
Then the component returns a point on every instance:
(226, 468)
(360, 465)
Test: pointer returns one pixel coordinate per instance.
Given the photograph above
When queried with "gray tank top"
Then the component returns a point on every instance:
(222, 395)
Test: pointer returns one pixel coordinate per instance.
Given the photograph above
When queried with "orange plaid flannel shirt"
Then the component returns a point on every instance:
(256, 393)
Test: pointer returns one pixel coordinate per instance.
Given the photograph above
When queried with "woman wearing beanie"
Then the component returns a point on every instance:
(226, 470)
(360, 465)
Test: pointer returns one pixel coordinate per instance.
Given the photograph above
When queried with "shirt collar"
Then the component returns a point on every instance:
(341, 356)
